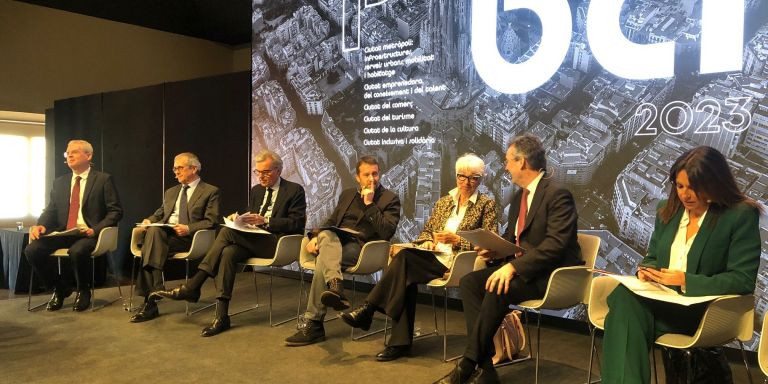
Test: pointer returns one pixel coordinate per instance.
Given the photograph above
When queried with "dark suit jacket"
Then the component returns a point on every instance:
(481, 214)
(202, 206)
(379, 220)
(289, 215)
(100, 206)
(724, 256)
(549, 235)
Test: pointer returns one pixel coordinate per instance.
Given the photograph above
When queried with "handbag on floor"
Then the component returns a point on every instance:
(706, 366)
(509, 340)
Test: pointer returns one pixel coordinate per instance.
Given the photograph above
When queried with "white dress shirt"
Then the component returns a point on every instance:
(174, 219)
(678, 253)
(83, 179)
(452, 225)
(531, 187)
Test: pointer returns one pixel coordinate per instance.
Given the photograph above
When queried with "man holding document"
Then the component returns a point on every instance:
(188, 207)
(371, 212)
(706, 241)
(82, 203)
(542, 221)
(277, 206)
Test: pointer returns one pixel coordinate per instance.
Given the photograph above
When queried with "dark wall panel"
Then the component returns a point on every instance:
(77, 118)
(133, 150)
(210, 117)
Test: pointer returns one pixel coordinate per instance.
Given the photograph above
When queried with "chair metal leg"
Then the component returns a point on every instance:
(187, 312)
(271, 273)
(592, 352)
(434, 313)
(352, 329)
(30, 308)
(257, 305)
(538, 344)
(93, 287)
(129, 308)
(653, 359)
(744, 359)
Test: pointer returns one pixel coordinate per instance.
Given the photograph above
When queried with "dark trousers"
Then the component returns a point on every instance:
(395, 294)
(80, 249)
(632, 325)
(232, 247)
(484, 310)
(159, 242)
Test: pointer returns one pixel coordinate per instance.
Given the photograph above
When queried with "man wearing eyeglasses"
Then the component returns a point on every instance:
(187, 207)
(277, 206)
(542, 220)
(86, 202)
(370, 210)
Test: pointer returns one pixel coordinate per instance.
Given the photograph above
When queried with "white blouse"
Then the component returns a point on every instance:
(678, 253)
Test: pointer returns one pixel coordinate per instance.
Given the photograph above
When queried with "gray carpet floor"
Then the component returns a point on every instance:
(104, 347)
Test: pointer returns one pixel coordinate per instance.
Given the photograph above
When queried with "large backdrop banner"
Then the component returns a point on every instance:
(616, 90)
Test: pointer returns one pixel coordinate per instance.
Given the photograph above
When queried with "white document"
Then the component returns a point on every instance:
(417, 248)
(656, 291)
(242, 227)
(69, 232)
(155, 225)
(484, 238)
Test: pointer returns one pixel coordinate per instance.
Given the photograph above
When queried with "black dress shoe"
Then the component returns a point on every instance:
(361, 317)
(310, 332)
(457, 376)
(393, 352)
(334, 296)
(57, 299)
(148, 312)
(219, 325)
(179, 293)
(82, 300)
(485, 376)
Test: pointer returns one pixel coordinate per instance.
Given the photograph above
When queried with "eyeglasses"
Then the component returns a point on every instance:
(179, 168)
(472, 178)
(265, 172)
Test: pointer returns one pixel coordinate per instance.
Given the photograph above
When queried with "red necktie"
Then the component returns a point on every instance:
(521, 215)
(74, 204)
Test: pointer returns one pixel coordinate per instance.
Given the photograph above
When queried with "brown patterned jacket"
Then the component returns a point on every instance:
(481, 214)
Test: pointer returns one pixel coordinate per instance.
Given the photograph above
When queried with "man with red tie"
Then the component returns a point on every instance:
(86, 200)
(542, 220)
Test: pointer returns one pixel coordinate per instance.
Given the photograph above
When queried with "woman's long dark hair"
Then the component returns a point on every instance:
(710, 177)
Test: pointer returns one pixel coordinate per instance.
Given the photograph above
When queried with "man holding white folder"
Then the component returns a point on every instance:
(278, 206)
(542, 221)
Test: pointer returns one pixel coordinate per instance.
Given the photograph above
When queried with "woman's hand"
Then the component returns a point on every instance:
(663, 276)
(446, 237)
(427, 245)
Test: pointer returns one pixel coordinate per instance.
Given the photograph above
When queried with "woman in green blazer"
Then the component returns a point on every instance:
(706, 241)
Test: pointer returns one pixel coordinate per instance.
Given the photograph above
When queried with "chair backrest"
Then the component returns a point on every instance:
(287, 251)
(373, 258)
(762, 349)
(106, 242)
(727, 318)
(462, 264)
(137, 237)
(597, 307)
(590, 245)
(201, 242)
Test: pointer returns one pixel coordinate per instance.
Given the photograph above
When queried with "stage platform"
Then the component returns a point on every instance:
(103, 346)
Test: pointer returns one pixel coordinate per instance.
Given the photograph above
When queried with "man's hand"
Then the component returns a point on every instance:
(446, 237)
(36, 231)
(181, 229)
(499, 280)
(664, 276)
(89, 232)
(312, 246)
(254, 219)
(232, 217)
(367, 195)
(427, 245)
(145, 222)
(485, 254)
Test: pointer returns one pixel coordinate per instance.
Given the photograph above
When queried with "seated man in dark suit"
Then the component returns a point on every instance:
(371, 210)
(86, 199)
(542, 220)
(276, 205)
(190, 206)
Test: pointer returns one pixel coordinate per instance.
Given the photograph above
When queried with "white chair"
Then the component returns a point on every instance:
(762, 350)
(201, 242)
(286, 253)
(373, 258)
(567, 287)
(107, 242)
(726, 319)
(463, 264)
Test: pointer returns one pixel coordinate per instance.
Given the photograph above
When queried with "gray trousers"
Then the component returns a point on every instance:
(159, 242)
(333, 253)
